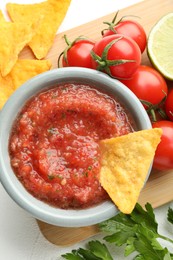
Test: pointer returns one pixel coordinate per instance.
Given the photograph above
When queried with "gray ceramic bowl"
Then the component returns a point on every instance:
(40, 210)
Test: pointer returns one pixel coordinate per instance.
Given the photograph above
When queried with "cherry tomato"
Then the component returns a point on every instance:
(169, 105)
(117, 55)
(77, 53)
(163, 159)
(129, 28)
(148, 85)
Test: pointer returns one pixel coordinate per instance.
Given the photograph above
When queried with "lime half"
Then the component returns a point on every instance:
(160, 46)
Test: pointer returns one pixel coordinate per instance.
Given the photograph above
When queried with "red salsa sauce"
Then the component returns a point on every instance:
(54, 143)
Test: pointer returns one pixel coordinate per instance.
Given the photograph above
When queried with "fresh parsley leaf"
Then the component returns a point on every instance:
(168, 256)
(138, 231)
(100, 250)
(120, 238)
(87, 254)
(129, 246)
(117, 223)
(145, 218)
(170, 215)
(96, 251)
(145, 248)
(149, 234)
(121, 228)
(73, 256)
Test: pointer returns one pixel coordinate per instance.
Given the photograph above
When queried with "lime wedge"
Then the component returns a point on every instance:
(160, 46)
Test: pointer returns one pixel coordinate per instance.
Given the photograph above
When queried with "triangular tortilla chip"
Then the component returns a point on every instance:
(125, 165)
(13, 38)
(51, 12)
(2, 16)
(21, 72)
(6, 89)
(26, 69)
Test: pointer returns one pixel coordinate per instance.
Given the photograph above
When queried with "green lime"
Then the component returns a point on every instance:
(160, 46)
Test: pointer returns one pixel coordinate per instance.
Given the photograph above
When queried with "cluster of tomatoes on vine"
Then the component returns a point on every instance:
(118, 53)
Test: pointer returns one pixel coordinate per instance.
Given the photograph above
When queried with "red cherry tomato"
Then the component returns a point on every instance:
(117, 55)
(163, 159)
(77, 53)
(169, 105)
(132, 29)
(147, 84)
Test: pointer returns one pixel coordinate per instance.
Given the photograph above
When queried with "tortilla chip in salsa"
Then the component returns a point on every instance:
(125, 165)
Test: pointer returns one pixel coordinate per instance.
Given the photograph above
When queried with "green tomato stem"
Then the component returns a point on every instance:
(66, 40)
(103, 63)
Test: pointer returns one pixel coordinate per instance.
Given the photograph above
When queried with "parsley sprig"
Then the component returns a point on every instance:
(138, 231)
(96, 251)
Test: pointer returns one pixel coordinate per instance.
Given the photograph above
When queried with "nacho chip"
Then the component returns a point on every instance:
(125, 164)
(13, 38)
(26, 69)
(51, 12)
(22, 71)
(2, 16)
(6, 89)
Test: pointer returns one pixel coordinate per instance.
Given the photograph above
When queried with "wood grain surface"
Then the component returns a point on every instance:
(158, 189)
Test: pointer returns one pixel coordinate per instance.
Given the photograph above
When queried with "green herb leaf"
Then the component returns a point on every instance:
(73, 256)
(52, 130)
(144, 247)
(130, 246)
(123, 228)
(145, 218)
(51, 177)
(100, 250)
(96, 251)
(117, 223)
(138, 231)
(120, 238)
(87, 254)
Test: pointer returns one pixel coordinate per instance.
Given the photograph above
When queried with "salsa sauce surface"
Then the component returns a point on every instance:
(54, 143)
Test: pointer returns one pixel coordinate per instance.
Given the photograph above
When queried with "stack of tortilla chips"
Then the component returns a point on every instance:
(33, 25)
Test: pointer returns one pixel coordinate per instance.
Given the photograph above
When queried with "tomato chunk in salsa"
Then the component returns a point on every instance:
(54, 143)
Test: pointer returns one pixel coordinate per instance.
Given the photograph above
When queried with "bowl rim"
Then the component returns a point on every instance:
(37, 208)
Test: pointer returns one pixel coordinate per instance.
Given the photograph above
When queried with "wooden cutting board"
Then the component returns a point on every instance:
(159, 188)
